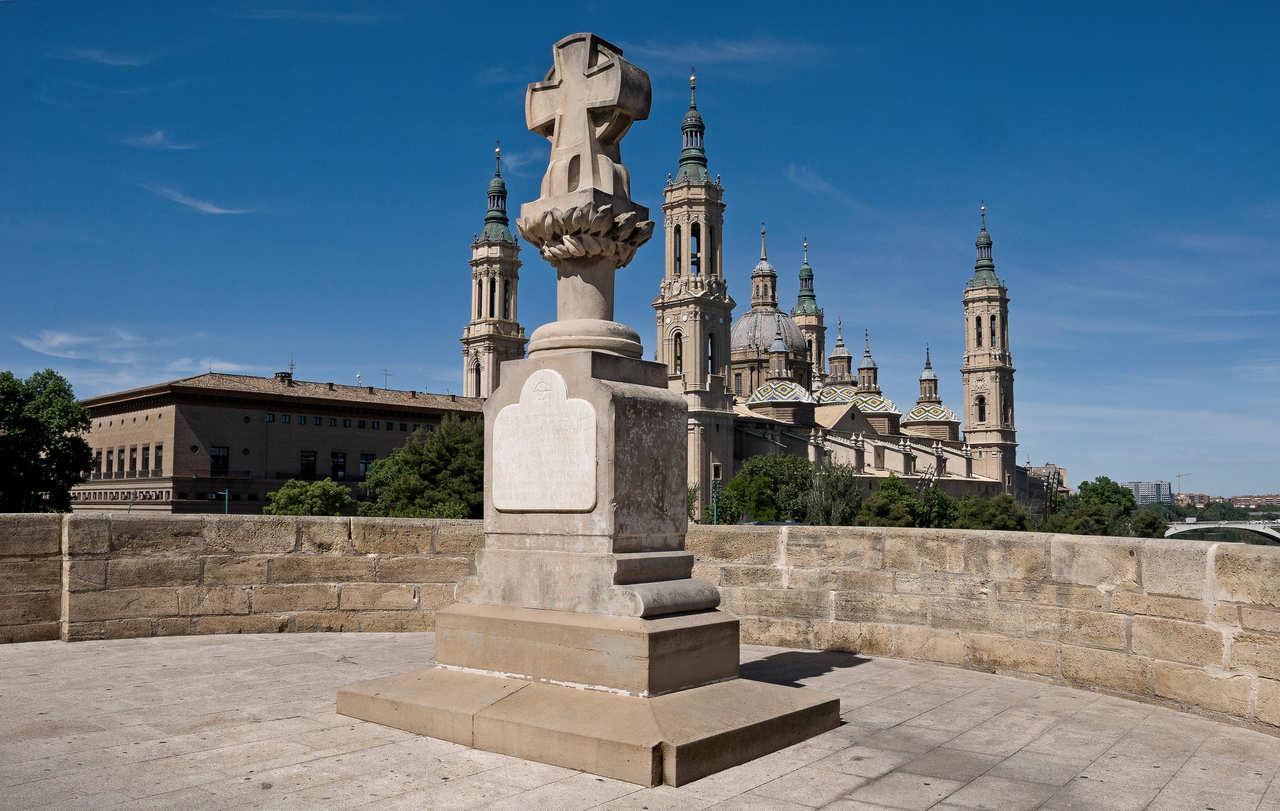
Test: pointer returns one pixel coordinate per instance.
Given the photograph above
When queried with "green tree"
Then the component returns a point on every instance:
(42, 448)
(835, 497)
(1149, 523)
(1223, 511)
(1000, 512)
(298, 497)
(772, 487)
(893, 504)
(436, 474)
(937, 509)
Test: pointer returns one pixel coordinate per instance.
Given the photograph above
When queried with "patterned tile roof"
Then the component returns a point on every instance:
(875, 404)
(780, 391)
(837, 393)
(930, 412)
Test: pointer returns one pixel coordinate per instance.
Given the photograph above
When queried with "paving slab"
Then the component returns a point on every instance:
(249, 722)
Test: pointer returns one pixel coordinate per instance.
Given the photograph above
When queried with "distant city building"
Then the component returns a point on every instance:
(178, 446)
(1197, 500)
(1049, 472)
(1157, 492)
(1255, 502)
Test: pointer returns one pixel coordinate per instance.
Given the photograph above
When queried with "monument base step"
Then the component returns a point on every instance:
(674, 738)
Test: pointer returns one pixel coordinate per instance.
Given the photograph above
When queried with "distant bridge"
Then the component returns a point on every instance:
(1269, 530)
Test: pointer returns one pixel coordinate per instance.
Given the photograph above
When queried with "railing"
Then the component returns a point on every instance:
(113, 475)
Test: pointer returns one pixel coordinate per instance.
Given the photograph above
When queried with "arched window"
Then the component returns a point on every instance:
(493, 287)
(995, 341)
(506, 301)
(479, 298)
(981, 405)
(977, 329)
(695, 249)
(711, 354)
(809, 348)
(475, 381)
(677, 249)
(677, 353)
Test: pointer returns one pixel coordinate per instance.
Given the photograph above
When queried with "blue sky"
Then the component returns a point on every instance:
(186, 186)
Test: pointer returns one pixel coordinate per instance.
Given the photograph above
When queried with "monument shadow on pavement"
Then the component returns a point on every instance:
(582, 640)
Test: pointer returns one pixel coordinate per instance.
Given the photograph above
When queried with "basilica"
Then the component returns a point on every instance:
(763, 382)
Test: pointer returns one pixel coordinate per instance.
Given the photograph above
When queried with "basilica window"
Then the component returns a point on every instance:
(676, 248)
(479, 297)
(981, 405)
(711, 253)
(506, 302)
(338, 465)
(737, 382)
(695, 249)
(307, 465)
(493, 285)
(475, 380)
(994, 338)
(711, 354)
(219, 460)
(977, 329)
(677, 354)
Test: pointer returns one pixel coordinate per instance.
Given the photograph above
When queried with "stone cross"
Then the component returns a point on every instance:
(586, 104)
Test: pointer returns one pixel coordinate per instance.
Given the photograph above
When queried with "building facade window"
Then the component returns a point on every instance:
(977, 329)
(338, 465)
(375, 424)
(146, 458)
(159, 462)
(695, 249)
(677, 248)
(120, 461)
(366, 465)
(307, 465)
(333, 422)
(346, 423)
(404, 426)
(285, 418)
(391, 426)
(316, 421)
(360, 424)
(994, 336)
(677, 354)
(981, 405)
(219, 460)
(737, 382)
(271, 417)
(111, 462)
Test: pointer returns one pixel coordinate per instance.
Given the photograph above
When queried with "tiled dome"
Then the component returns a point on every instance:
(930, 412)
(780, 391)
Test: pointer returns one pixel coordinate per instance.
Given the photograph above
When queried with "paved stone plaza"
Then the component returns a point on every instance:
(237, 721)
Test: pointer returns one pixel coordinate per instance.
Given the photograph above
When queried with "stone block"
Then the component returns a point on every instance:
(319, 569)
(924, 551)
(835, 547)
(213, 600)
(299, 597)
(708, 571)
(252, 534)
(30, 534)
(84, 574)
(149, 535)
(1247, 574)
(83, 631)
(840, 580)
(1109, 670)
(397, 621)
(392, 536)
(121, 604)
(1008, 556)
(32, 632)
(328, 535)
(241, 624)
(235, 569)
(977, 615)
(458, 537)
(172, 626)
(783, 633)
(734, 544)
(1001, 653)
(315, 622)
(436, 595)
(1093, 629)
(946, 585)
(129, 629)
(873, 639)
(21, 575)
(1268, 711)
(813, 604)
(1178, 608)
(152, 571)
(422, 569)
(1093, 561)
(376, 596)
(1059, 594)
(86, 534)
(1175, 568)
(1259, 620)
(1177, 641)
(928, 644)
(1195, 687)
(1226, 613)
(760, 576)
(853, 606)
(1257, 651)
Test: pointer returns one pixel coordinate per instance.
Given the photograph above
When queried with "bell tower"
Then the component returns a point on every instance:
(493, 334)
(808, 316)
(693, 307)
(987, 369)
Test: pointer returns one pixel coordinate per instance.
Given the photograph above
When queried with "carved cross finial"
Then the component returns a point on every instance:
(497, 158)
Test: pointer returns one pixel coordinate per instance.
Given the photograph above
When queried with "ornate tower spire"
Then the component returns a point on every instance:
(493, 334)
(984, 268)
(868, 372)
(764, 279)
(841, 359)
(808, 316)
(778, 355)
(928, 381)
(693, 153)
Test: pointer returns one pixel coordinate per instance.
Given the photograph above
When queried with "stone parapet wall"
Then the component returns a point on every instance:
(130, 576)
(1186, 623)
(30, 577)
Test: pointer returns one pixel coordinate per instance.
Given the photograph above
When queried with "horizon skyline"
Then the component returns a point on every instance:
(296, 162)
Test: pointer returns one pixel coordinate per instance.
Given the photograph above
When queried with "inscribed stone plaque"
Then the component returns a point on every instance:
(544, 450)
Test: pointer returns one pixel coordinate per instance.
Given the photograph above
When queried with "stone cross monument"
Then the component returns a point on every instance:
(582, 639)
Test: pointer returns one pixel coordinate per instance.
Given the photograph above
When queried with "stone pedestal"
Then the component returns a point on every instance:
(582, 640)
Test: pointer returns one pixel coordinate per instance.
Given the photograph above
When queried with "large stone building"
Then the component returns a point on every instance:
(218, 442)
(764, 383)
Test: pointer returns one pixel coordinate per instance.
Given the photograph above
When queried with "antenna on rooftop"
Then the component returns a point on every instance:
(386, 377)
(359, 382)
(292, 365)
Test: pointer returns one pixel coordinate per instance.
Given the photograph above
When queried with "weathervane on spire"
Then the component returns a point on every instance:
(805, 245)
(982, 210)
(763, 253)
(497, 158)
(693, 84)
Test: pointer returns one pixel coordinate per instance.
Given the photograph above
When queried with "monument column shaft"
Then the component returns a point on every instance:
(584, 290)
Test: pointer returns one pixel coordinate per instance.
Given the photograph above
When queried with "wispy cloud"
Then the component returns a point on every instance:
(722, 51)
(318, 16)
(115, 59)
(186, 365)
(158, 139)
(523, 162)
(497, 74)
(114, 346)
(808, 180)
(195, 203)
